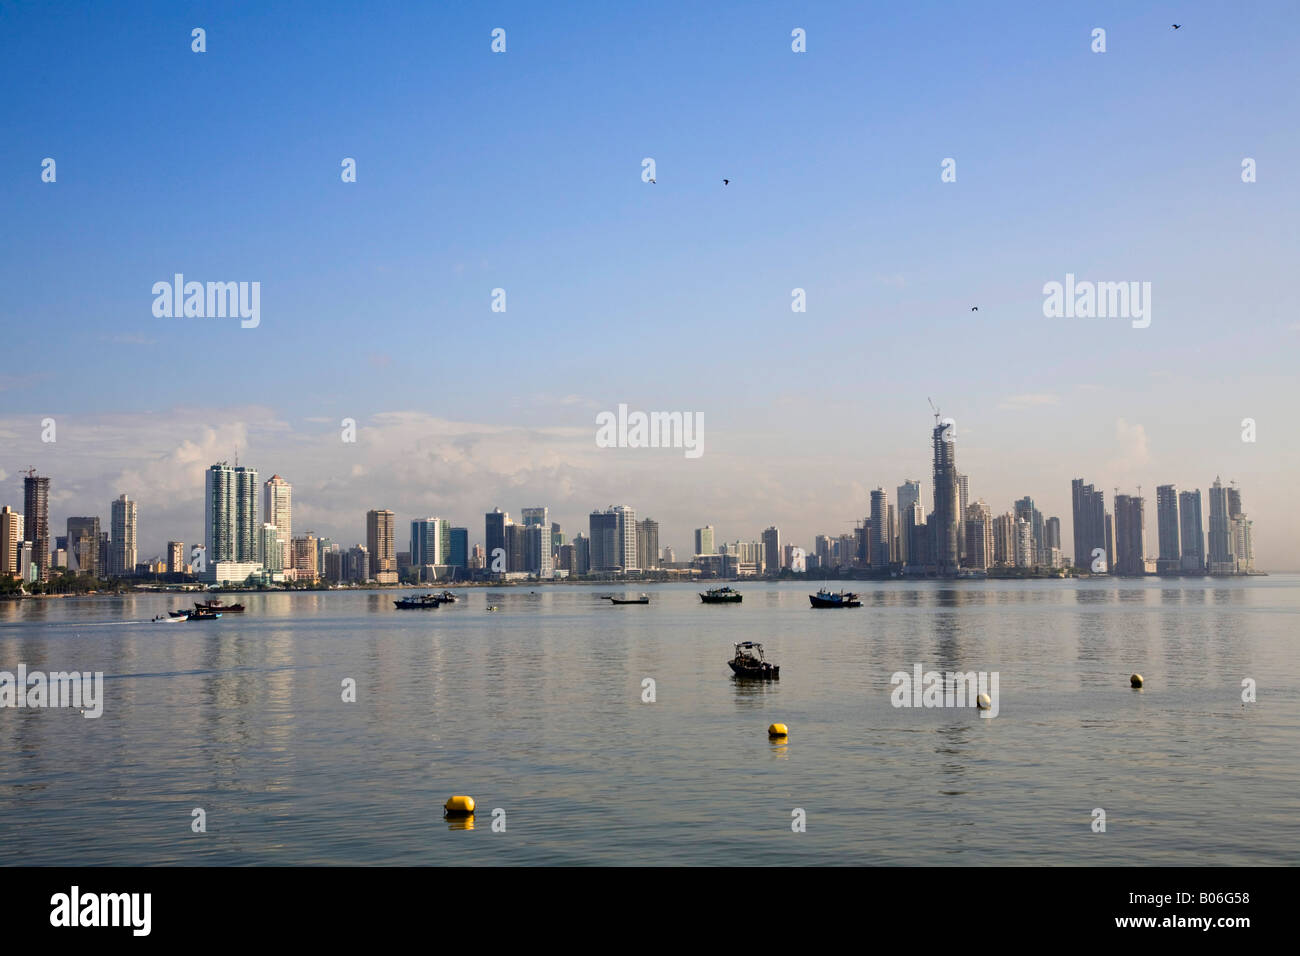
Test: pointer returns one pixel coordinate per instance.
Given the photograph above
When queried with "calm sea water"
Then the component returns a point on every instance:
(536, 709)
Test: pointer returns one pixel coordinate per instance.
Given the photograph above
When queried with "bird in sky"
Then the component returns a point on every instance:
(974, 308)
(652, 182)
(1177, 25)
(726, 182)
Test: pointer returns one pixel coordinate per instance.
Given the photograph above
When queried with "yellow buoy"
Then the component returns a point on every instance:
(1135, 680)
(778, 730)
(458, 806)
(983, 702)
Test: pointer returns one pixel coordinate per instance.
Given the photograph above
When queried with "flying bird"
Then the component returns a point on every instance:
(652, 182)
(1177, 25)
(726, 182)
(974, 308)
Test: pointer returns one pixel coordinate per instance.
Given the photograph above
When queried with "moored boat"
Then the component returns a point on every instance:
(825, 598)
(216, 605)
(643, 599)
(426, 601)
(722, 595)
(749, 662)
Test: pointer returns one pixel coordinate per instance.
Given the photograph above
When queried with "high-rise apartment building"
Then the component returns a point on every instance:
(1221, 556)
(878, 543)
(772, 550)
(231, 529)
(494, 539)
(1130, 535)
(1089, 517)
(83, 546)
(1168, 530)
(36, 521)
(381, 545)
(944, 524)
(979, 536)
(704, 540)
(11, 539)
(176, 557)
(122, 543)
(647, 544)
(278, 510)
(1191, 531)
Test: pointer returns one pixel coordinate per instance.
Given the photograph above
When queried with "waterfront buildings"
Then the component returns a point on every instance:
(704, 540)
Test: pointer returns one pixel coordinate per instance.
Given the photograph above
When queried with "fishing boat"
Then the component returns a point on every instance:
(825, 598)
(202, 614)
(722, 595)
(218, 606)
(446, 597)
(180, 615)
(749, 662)
(425, 601)
(643, 599)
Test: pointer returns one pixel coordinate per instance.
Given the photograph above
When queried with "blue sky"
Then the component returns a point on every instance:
(523, 171)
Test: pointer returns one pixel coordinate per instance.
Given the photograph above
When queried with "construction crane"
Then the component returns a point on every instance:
(933, 408)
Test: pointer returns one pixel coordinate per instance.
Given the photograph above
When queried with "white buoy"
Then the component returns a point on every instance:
(1135, 680)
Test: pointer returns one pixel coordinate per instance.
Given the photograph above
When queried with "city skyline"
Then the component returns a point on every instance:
(235, 530)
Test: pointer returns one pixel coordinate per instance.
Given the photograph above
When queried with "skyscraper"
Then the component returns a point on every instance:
(946, 500)
(426, 541)
(278, 510)
(11, 538)
(122, 548)
(458, 553)
(603, 554)
(704, 540)
(83, 546)
(1089, 517)
(879, 535)
(1168, 530)
(1191, 531)
(1221, 559)
(231, 528)
(963, 500)
(494, 539)
(36, 520)
(627, 536)
(979, 536)
(1025, 509)
(381, 544)
(772, 550)
(538, 557)
(1130, 534)
(647, 544)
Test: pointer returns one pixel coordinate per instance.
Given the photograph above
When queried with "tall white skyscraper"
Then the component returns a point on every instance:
(122, 551)
(230, 525)
(278, 510)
